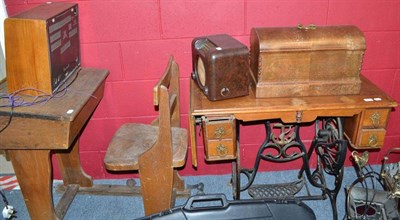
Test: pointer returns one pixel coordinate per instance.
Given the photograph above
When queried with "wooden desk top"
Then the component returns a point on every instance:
(83, 87)
(249, 108)
(58, 122)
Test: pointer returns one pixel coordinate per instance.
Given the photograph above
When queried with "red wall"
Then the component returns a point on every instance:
(133, 39)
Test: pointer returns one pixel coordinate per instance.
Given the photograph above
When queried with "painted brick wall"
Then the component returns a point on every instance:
(133, 39)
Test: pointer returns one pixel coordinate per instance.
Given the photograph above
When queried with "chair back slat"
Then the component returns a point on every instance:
(168, 83)
(173, 101)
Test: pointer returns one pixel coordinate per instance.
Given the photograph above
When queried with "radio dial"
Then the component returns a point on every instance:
(201, 71)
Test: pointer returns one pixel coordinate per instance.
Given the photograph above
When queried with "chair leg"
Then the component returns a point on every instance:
(178, 185)
(157, 186)
(179, 182)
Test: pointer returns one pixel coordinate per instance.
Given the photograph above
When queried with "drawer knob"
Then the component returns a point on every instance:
(373, 140)
(222, 150)
(376, 119)
(219, 132)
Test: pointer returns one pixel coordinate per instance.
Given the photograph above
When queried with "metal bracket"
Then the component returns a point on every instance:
(299, 116)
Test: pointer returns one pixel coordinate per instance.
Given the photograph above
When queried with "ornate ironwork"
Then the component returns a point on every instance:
(280, 190)
(286, 145)
(330, 147)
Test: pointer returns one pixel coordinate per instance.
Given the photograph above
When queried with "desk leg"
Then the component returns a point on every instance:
(33, 171)
(71, 169)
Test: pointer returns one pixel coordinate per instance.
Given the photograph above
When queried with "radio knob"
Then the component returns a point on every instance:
(225, 91)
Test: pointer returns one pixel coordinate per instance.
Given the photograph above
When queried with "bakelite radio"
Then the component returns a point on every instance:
(220, 66)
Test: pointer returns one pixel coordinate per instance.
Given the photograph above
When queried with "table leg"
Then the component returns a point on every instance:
(33, 171)
(192, 135)
(235, 181)
(71, 169)
(330, 146)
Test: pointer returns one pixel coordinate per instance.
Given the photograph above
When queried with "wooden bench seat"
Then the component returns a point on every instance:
(124, 150)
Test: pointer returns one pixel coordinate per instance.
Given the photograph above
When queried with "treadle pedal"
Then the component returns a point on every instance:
(280, 190)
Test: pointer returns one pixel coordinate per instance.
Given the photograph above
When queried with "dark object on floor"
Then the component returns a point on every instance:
(370, 196)
(216, 206)
(371, 204)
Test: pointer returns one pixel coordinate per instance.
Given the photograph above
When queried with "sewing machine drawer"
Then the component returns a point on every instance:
(220, 150)
(219, 135)
(375, 118)
(372, 138)
(368, 129)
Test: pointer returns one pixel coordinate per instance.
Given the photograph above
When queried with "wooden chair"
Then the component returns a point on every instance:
(156, 149)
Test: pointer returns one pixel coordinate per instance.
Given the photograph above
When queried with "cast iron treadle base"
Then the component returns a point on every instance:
(281, 190)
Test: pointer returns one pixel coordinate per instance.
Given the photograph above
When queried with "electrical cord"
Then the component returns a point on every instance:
(5, 201)
(8, 211)
(12, 106)
(10, 118)
(368, 174)
(15, 100)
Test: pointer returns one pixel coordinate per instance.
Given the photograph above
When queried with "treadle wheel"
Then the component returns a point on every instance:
(275, 190)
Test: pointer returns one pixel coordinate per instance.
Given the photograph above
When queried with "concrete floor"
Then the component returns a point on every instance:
(5, 166)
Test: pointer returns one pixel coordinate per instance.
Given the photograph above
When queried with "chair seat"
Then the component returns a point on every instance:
(131, 140)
